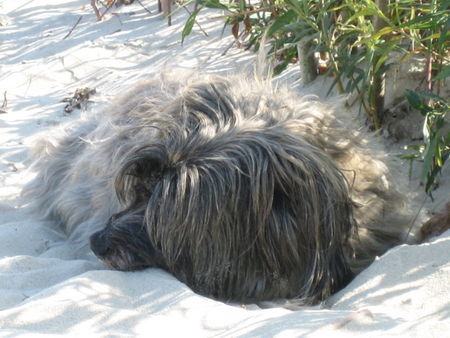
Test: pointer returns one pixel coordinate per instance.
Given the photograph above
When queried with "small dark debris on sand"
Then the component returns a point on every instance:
(79, 100)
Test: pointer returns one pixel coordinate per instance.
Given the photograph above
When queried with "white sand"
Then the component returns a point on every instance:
(405, 292)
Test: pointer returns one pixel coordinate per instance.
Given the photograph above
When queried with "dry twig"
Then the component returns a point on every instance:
(5, 100)
(76, 24)
(97, 12)
(140, 3)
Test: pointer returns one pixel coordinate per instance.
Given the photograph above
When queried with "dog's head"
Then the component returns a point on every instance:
(124, 243)
(237, 208)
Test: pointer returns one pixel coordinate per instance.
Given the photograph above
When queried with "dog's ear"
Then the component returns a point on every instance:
(138, 174)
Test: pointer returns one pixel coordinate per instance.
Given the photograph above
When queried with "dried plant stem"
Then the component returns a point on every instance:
(5, 100)
(379, 79)
(76, 24)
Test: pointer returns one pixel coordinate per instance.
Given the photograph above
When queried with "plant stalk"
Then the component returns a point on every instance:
(379, 79)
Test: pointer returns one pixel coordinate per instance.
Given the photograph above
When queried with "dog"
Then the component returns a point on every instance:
(243, 190)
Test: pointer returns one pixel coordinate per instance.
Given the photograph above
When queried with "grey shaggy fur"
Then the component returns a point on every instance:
(242, 191)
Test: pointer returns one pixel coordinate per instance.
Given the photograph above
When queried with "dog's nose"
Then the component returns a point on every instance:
(99, 244)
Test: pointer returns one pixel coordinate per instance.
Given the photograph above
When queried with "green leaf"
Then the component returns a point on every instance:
(447, 141)
(434, 97)
(383, 31)
(410, 157)
(296, 6)
(242, 5)
(367, 11)
(443, 74)
(189, 24)
(439, 157)
(213, 4)
(281, 22)
(415, 101)
(426, 132)
(444, 5)
(445, 34)
(424, 22)
(430, 152)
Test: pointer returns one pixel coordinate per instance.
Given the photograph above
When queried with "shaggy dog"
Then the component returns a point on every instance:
(242, 191)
